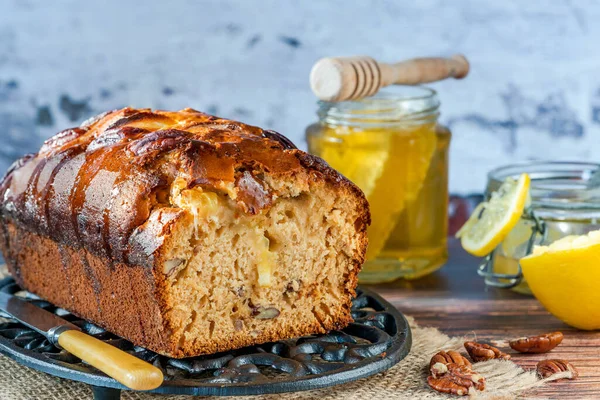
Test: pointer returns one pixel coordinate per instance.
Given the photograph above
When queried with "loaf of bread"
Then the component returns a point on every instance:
(185, 233)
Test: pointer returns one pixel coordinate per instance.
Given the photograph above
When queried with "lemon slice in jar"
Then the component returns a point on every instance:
(564, 277)
(358, 155)
(401, 181)
(390, 168)
(492, 220)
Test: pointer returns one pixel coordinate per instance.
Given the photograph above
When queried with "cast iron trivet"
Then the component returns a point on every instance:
(378, 339)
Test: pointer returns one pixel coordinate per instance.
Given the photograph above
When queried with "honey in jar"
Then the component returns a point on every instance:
(393, 148)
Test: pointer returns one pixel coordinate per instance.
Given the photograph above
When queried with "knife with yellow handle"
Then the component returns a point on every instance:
(127, 369)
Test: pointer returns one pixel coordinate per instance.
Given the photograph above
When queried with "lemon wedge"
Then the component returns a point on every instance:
(564, 277)
(360, 155)
(492, 220)
(389, 166)
(400, 182)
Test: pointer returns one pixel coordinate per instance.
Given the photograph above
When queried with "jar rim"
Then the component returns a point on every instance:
(500, 173)
(389, 94)
(555, 185)
(399, 104)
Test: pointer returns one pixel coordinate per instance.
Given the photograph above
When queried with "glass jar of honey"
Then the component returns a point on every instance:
(563, 202)
(393, 148)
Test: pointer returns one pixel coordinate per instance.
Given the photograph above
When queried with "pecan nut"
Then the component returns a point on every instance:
(445, 385)
(546, 368)
(483, 352)
(465, 376)
(265, 312)
(444, 358)
(457, 379)
(537, 344)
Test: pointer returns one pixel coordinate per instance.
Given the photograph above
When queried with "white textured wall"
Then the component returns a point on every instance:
(534, 90)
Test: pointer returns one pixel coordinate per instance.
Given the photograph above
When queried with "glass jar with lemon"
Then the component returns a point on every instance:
(392, 146)
(539, 228)
(562, 195)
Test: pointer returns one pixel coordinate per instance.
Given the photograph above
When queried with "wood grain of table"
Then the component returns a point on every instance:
(456, 301)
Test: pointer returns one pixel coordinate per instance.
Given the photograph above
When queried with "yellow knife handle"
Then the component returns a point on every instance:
(129, 370)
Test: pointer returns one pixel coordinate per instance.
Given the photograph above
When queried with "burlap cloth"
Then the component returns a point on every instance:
(406, 380)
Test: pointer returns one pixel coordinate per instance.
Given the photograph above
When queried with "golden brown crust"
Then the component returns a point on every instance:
(85, 221)
(97, 183)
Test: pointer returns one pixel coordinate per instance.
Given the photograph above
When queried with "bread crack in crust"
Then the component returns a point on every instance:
(185, 233)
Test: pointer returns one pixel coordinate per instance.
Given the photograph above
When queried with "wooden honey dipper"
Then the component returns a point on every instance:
(351, 78)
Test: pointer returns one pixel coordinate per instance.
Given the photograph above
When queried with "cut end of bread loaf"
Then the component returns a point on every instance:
(185, 233)
(233, 279)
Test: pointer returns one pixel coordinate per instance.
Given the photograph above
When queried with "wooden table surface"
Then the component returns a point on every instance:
(456, 301)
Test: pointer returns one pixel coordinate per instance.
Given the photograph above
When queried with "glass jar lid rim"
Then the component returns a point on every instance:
(391, 94)
(502, 172)
(561, 185)
(390, 105)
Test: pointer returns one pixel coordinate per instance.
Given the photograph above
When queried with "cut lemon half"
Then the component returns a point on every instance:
(564, 277)
(492, 220)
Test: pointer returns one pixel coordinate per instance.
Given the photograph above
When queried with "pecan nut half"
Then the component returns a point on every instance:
(483, 352)
(537, 344)
(458, 379)
(444, 358)
(465, 376)
(445, 385)
(546, 368)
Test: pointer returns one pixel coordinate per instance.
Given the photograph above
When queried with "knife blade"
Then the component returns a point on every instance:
(129, 370)
(36, 318)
